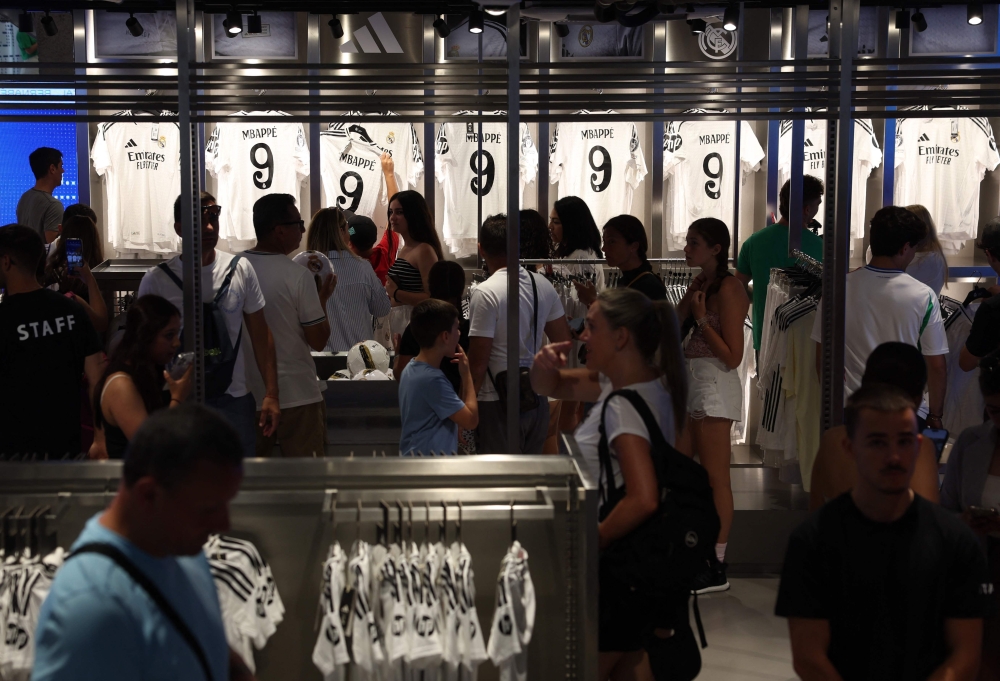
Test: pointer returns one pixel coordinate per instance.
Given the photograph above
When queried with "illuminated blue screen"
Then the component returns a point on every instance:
(17, 140)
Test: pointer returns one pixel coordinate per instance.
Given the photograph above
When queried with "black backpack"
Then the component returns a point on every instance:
(220, 351)
(664, 554)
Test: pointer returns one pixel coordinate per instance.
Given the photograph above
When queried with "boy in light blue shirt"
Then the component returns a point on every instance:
(430, 409)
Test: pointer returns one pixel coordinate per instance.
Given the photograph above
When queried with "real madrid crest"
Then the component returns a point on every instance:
(390, 138)
(162, 141)
(586, 36)
(716, 42)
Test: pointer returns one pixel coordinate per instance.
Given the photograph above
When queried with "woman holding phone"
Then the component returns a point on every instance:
(68, 269)
(133, 383)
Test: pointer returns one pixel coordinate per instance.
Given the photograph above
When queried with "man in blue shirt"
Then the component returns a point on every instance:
(181, 471)
(430, 409)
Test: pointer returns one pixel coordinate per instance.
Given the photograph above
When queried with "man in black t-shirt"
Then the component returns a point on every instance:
(47, 342)
(984, 336)
(880, 584)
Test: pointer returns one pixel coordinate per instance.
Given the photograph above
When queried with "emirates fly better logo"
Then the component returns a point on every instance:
(716, 42)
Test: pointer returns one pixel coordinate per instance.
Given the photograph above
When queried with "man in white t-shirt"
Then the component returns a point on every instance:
(241, 303)
(295, 313)
(488, 341)
(885, 304)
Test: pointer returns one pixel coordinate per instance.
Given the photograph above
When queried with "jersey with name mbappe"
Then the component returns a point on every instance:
(700, 159)
(600, 162)
(469, 175)
(252, 160)
(44, 340)
(140, 163)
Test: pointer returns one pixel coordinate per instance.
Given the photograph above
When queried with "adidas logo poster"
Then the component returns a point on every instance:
(363, 38)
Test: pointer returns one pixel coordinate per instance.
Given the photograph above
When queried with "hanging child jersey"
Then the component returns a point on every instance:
(867, 157)
(700, 159)
(330, 653)
(468, 175)
(141, 166)
(514, 618)
(252, 160)
(351, 161)
(940, 163)
(600, 162)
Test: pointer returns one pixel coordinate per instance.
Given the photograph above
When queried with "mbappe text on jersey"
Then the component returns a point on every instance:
(598, 134)
(351, 160)
(260, 133)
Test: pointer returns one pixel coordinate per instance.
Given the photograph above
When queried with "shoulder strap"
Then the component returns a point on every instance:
(228, 279)
(658, 443)
(170, 273)
(154, 593)
(641, 275)
(534, 324)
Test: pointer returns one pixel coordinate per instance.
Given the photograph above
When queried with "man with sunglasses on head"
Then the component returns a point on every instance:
(296, 315)
(230, 287)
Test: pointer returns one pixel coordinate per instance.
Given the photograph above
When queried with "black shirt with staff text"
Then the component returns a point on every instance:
(44, 339)
(885, 588)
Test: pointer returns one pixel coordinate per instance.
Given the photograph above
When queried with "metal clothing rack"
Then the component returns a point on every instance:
(808, 263)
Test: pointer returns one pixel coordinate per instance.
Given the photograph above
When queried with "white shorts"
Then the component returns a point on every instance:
(713, 389)
(399, 318)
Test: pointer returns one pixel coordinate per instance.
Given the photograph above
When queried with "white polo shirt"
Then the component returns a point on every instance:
(883, 306)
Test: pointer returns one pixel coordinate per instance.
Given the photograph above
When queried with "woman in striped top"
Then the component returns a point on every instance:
(359, 297)
(406, 285)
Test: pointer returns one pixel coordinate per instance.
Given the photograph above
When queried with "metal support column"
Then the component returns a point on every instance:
(542, 182)
(738, 145)
(315, 176)
(893, 40)
(513, 230)
(658, 212)
(773, 126)
(835, 241)
(428, 57)
(800, 55)
(82, 129)
(194, 339)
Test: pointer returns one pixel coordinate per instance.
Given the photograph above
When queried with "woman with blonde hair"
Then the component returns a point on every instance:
(929, 265)
(359, 298)
(632, 343)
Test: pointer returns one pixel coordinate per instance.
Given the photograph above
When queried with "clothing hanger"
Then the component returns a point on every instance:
(976, 293)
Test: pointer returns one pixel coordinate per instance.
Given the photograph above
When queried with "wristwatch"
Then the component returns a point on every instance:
(701, 322)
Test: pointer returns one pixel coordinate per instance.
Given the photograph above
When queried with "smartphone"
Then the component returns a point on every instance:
(179, 364)
(977, 512)
(577, 325)
(939, 436)
(74, 255)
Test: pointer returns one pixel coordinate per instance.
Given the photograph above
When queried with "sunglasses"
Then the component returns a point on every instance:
(211, 211)
(300, 223)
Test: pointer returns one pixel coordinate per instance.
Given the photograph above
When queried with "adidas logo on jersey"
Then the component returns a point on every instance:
(363, 38)
(130, 143)
(924, 138)
(809, 143)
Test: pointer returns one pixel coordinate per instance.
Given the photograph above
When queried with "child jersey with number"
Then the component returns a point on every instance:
(351, 152)
(330, 653)
(514, 618)
(468, 176)
(251, 160)
(699, 157)
(940, 163)
(867, 157)
(141, 165)
(600, 162)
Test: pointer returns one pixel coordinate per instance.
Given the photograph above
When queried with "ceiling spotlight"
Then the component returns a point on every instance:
(336, 28)
(902, 19)
(133, 26)
(49, 24)
(442, 28)
(233, 23)
(25, 24)
(604, 13)
(254, 24)
(495, 10)
(731, 19)
(697, 26)
(919, 22)
(476, 21)
(562, 29)
(975, 13)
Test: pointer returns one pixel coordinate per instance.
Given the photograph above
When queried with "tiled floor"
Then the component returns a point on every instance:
(746, 641)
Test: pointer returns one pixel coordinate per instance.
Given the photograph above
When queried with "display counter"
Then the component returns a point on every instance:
(293, 509)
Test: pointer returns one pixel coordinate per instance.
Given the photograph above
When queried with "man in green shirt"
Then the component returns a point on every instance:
(28, 46)
(768, 248)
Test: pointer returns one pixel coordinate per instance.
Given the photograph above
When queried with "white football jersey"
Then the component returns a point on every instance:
(330, 652)
(602, 163)
(141, 166)
(867, 157)
(467, 177)
(514, 618)
(251, 160)
(940, 163)
(700, 158)
(351, 180)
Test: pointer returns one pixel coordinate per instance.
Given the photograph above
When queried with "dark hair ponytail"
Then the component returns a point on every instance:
(715, 233)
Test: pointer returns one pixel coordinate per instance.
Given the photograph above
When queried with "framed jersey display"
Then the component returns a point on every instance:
(278, 38)
(251, 160)
(602, 163)
(470, 175)
(109, 38)
(949, 32)
(141, 165)
(463, 44)
(699, 158)
(594, 40)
